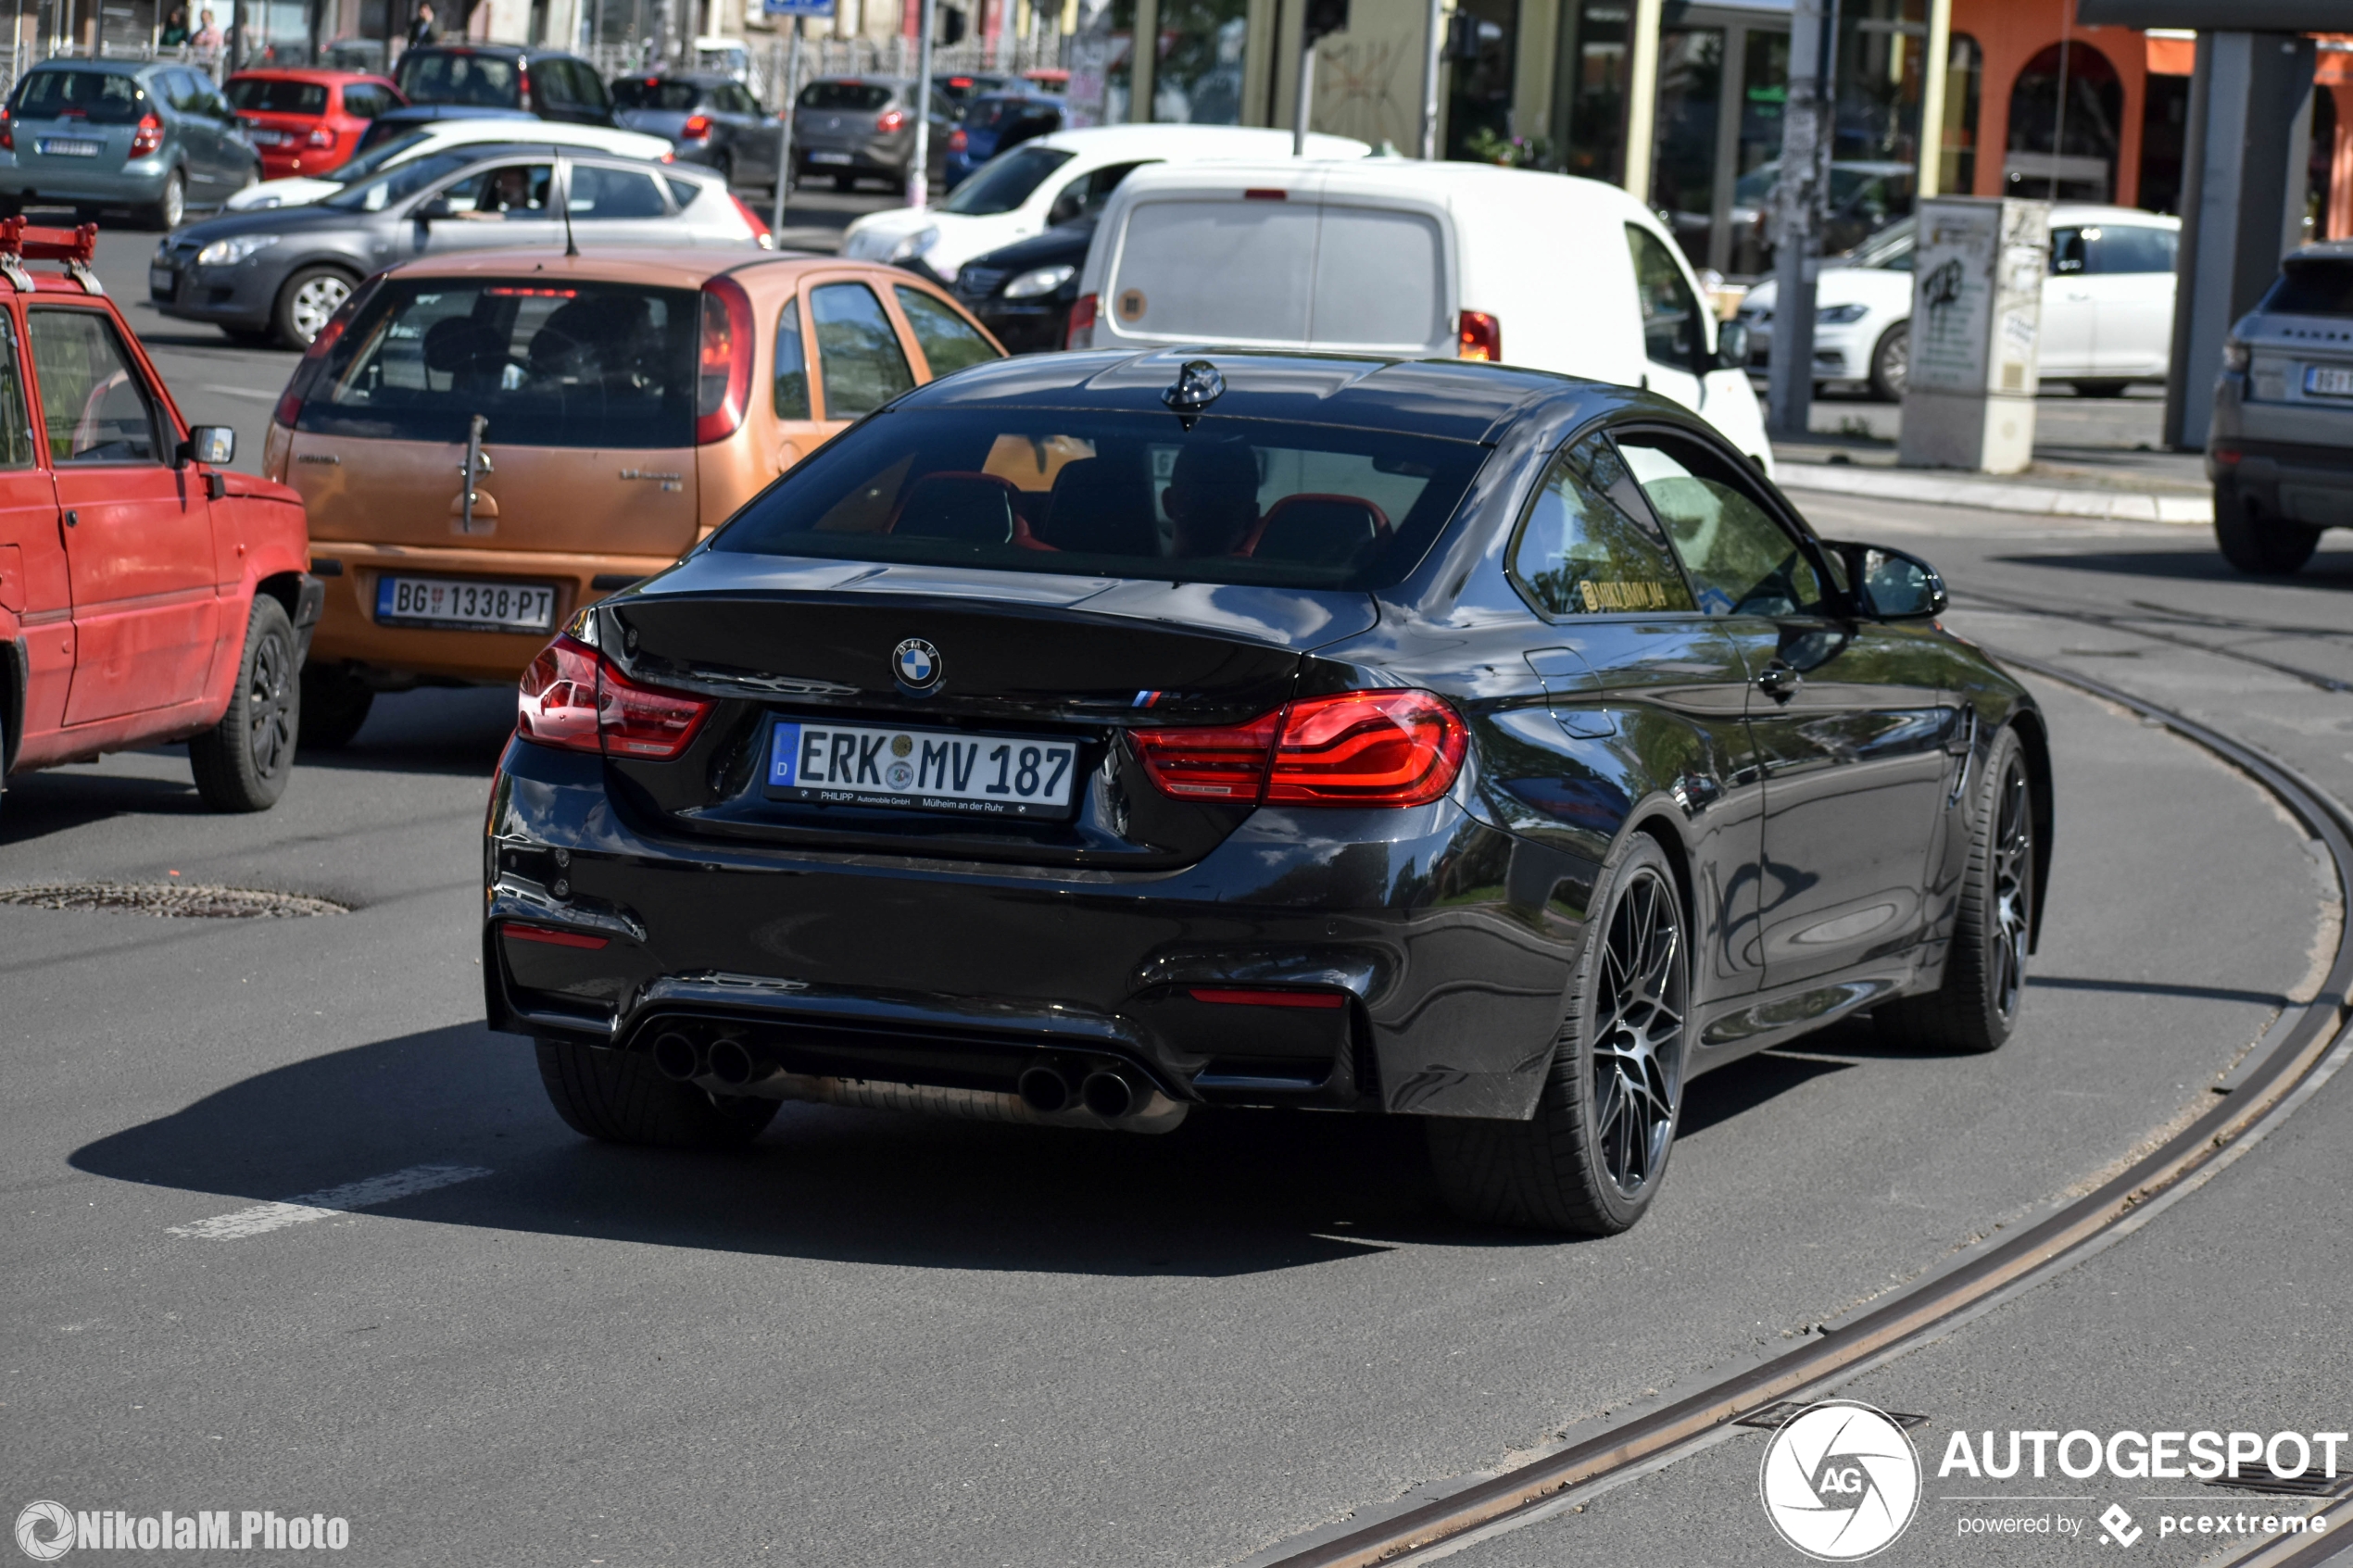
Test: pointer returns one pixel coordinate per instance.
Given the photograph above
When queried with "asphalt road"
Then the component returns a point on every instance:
(877, 1340)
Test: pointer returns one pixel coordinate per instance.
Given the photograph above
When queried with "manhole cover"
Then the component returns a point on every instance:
(172, 901)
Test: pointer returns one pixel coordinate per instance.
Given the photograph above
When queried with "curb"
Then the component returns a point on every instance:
(1994, 495)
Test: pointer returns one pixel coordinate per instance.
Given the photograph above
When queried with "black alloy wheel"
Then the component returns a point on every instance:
(1976, 1008)
(243, 763)
(1592, 1159)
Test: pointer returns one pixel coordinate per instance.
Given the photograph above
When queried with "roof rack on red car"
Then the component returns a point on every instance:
(21, 243)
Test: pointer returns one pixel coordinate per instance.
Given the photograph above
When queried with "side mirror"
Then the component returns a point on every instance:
(433, 208)
(1890, 585)
(1731, 345)
(213, 445)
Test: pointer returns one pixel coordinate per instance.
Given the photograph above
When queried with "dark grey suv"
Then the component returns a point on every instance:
(2280, 451)
(547, 82)
(280, 273)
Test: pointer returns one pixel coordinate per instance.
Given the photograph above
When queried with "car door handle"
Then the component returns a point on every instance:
(1780, 681)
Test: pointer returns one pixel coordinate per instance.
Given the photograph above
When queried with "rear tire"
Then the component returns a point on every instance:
(1592, 1159)
(1892, 363)
(170, 207)
(243, 763)
(335, 706)
(309, 299)
(2255, 544)
(618, 1097)
(1977, 1006)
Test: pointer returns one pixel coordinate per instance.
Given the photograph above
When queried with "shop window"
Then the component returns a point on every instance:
(1592, 131)
(1481, 99)
(2165, 120)
(2065, 112)
(1691, 75)
(1198, 80)
(1964, 79)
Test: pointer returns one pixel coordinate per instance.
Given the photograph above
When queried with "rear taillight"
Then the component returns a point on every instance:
(8, 133)
(1481, 336)
(1082, 324)
(696, 128)
(1355, 748)
(320, 136)
(890, 120)
(571, 697)
(958, 141)
(753, 222)
(305, 368)
(723, 368)
(147, 138)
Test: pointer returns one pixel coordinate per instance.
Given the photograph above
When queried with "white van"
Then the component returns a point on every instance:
(1386, 255)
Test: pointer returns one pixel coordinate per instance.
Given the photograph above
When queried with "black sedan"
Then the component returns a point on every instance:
(710, 119)
(1081, 740)
(1024, 291)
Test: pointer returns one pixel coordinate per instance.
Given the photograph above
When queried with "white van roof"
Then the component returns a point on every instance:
(1222, 142)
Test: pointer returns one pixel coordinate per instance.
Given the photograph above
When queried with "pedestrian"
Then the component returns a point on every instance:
(207, 40)
(175, 30)
(422, 31)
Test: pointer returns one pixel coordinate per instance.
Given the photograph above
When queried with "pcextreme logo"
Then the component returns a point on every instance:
(1840, 1481)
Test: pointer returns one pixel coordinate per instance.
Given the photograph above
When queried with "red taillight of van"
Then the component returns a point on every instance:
(1375, 748)
(147, 138)
(1082, 324)
(1480, 337)
(723, 368)
(571, 697)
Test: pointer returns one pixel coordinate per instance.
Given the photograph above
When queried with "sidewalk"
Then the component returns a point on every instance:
(2093, 458)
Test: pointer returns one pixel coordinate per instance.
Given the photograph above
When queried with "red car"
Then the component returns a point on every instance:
(306, 121)
(147, 595)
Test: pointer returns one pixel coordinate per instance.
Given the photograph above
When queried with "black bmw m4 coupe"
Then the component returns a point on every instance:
(1084, 739)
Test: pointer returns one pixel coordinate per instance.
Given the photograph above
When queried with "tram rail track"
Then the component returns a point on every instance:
(2306, 1046)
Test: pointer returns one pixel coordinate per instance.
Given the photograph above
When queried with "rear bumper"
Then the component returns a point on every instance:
(955, 974)
(136, 183)
(2290, 481)
(348, 633)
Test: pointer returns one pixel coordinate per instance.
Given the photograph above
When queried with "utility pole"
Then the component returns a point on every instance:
(919, 169)
(1433, 50)
(1806, 132)
(784, 132)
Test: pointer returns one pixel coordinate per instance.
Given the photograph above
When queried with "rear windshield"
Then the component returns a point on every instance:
(103, 97)
(2313, 286)
(582, 365)
(1004, 184)
(1339, 277)
(635, 92)
(276, 95)
(489, 81)
(1093, 493)
(856, 95)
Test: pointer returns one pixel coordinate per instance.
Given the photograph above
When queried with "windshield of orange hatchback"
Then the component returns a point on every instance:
(546, 364)
(1116, 494)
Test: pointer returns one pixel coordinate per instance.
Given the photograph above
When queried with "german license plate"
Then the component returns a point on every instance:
(479, 607)
(2328, 381)
(829, 157)
(68, 146)
(921, 770)
(162, 281)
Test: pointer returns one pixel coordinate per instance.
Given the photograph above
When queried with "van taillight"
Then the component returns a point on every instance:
(1082, 323)
(1381, 748)
(147, 137)
(1481, 337)
(722, 370)
(571, 697)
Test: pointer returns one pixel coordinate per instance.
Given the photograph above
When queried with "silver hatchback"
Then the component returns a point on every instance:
(2280, 452)
(862, 127)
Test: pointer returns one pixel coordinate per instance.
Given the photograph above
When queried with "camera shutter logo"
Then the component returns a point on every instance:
(44, 1531)
(1840, 1481)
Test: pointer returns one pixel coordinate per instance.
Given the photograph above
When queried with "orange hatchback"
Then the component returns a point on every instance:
(487, 443)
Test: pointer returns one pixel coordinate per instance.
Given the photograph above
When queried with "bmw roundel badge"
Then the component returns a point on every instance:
(917, 665)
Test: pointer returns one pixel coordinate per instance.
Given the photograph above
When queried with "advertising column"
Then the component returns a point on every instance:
(1977, 305)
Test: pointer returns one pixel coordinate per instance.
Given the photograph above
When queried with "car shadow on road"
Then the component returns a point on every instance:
(41, 804)
(1229, 1193)
(433, 730)
(2331, 568)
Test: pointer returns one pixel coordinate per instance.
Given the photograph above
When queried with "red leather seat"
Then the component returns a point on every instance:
(1317, 530)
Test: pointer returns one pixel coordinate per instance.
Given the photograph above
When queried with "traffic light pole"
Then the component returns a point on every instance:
(919, 169)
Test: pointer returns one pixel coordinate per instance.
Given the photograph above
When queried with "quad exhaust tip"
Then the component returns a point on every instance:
(730, 1063)
(1108, 1094)
(1044, 1090)
(677, 1055)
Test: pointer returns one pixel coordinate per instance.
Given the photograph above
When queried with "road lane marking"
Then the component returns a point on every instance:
(242, 392)
(300, 1209)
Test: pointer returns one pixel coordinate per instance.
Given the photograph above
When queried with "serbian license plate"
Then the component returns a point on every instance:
(269, 138)
(923, 770)
(2328, 381)
(480, 607)
(68, 147)
(829, 157)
